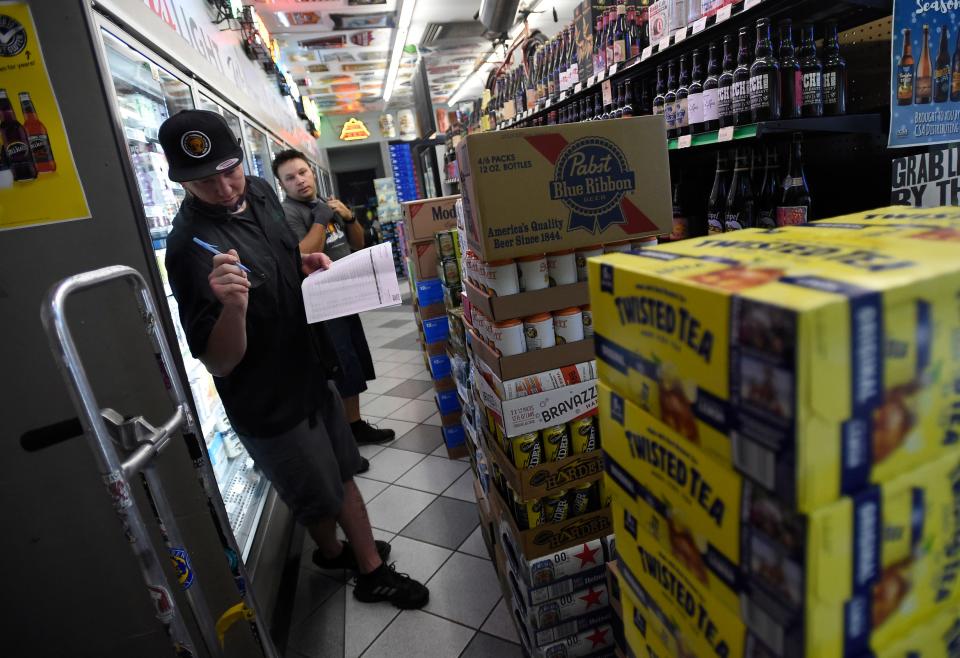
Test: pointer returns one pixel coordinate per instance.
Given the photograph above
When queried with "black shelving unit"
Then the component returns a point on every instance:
(869, 124)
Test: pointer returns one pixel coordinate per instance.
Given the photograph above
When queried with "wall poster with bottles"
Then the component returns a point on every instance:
(38, 178)
(925, 74)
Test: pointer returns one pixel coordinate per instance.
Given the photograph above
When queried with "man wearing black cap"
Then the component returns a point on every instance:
(243, 315)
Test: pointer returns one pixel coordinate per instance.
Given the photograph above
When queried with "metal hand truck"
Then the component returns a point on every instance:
(142, 443)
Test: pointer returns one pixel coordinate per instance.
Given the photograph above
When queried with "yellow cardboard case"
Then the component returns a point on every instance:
(937, 637)
(814, 366)
(646, 636)
(851, 577)
(540, 190)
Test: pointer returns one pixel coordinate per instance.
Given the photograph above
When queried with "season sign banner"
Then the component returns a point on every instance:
(925, 73)
(38, 179)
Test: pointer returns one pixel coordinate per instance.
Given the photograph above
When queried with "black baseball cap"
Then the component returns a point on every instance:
(198, 144)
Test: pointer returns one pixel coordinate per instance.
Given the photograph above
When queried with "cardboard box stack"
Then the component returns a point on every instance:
(390, 217)
(779, 412)
(536, 204)
(429, 229)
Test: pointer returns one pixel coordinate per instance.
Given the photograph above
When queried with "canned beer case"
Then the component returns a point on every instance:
(557, 574)
(542, 190)
(422, 219)
(814, 365)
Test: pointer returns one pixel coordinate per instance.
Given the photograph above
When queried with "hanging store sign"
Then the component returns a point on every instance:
(354, 130)
(927, 180)
(39, 183)
(925, 74)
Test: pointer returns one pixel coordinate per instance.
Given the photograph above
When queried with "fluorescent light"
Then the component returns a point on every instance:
(406, 17)
(282, 17)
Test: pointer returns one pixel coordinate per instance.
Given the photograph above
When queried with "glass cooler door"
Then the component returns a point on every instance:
(146, 94)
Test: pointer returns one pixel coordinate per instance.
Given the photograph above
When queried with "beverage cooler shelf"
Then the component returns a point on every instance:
(847, 13)
(850, 123)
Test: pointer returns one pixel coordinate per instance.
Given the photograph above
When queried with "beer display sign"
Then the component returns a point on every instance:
(925, 74)
(38, 178)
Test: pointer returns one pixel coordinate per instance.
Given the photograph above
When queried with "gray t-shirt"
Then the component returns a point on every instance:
(301, 216)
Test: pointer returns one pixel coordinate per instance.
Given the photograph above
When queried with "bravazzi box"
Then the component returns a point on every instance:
(541, 190)
(538, 382)
(421, 219)
(814, 366)
(846, 579)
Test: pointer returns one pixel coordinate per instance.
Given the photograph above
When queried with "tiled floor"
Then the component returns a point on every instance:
(422, 502)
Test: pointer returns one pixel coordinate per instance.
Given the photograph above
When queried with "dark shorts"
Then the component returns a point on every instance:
(355, 361)
(308, 465)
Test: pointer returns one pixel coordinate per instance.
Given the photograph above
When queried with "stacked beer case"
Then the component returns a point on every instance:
(530, 199)
(780, 413)
(427, 227)
(390, 216)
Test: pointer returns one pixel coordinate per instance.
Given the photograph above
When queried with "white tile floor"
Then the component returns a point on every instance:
(422, 502)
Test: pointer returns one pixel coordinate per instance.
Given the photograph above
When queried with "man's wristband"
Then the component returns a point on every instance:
(352, 220)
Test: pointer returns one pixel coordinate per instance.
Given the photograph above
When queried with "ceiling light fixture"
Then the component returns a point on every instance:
(403, 27)
(282, 17)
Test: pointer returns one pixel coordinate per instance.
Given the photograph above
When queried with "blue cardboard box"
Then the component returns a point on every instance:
(436, 330)
(454, 436)
(448, 402)
(440, 365)
(429, 291)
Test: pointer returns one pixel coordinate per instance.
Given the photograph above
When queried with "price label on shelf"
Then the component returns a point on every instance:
(592, 80)
(699, 25)
(607, 90)
(577, 88)
(725, 134)
(750, 4)
(548, 103)
(613, 68)
(679, 35)
(683, 141)
(645, 53)
(602, 75)
(663, 45)
(724, 13)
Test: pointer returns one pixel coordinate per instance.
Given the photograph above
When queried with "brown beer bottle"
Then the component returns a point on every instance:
(905, 72)
(941, 72)
(37, 132)
(16, 142)
(924, 88)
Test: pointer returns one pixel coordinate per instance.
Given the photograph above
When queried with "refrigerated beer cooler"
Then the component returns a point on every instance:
(118, 69)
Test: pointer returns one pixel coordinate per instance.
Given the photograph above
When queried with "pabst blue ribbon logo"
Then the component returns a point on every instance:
(591, 177)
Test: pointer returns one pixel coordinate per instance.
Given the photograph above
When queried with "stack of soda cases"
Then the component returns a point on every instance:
(780, 424)
(404, 172)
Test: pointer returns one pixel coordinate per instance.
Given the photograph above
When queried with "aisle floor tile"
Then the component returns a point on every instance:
(313, 590)
(408, 370)
(422, 438)
(416, 558)
(321, 633)
(369, 488)
(500, 623)
(396, 506)
(445, 522)
(433, 474)
(417, 633)
(400, 428)
(415, 411)
(383, 384)
(460, 574)
(423, 375)
(427, 394)
(434, 419)
(411, 389)
(474, 545)
(488, 646)
(369, 450)
(382, 406)
(364, 622)
(462, 488)
(390, 463)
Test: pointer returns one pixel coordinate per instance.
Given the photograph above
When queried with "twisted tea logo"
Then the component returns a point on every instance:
(13, 36)
(591, 178)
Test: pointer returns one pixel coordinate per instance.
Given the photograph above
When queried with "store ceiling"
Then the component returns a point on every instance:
(341, 48)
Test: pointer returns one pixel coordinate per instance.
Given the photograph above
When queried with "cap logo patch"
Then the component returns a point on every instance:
(226, 164)
(195, 144)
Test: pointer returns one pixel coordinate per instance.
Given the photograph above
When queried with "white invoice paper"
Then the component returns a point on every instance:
(363, 281)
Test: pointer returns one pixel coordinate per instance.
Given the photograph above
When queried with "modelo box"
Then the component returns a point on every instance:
(540, 190)
(421, 219)
(814, 366)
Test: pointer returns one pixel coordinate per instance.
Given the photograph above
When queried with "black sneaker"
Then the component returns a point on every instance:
(346, 559)
(364, 465)
(385, 584)
(364, 432)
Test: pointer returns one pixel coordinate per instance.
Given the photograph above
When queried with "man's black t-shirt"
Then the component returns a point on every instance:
(284, 370)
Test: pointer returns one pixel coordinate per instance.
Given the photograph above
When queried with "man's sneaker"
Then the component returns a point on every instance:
(346, 559)
(364, 465)
(385, 584)
(364, 432)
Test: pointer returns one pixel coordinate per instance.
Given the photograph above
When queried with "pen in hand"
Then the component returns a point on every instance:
(212, 248)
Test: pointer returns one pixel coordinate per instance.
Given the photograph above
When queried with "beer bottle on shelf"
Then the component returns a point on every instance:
(794, 207)
(588, 108)
(905, 71)
(551, 82)
(769, 195)
(633, 32)
(37, 132)
(954, 72)
(658, 99)
(791, 88)
(740, 204)
(574, 58)
(725, 86)
(764, 78)
(756, 169)
(680, 118)
(711, 116)
(597, 106)
(598, 49)
(741, 83)
(6, 176)
(626, 106)
(611, 36)
(941, 71)
(811, 72)
(617, 111)
(695, 97)
(16, 142)
(834, 74)
(643, 105)
(924, 84)
(680, 226)
(670, 99)
(621, 44)
(717, 203)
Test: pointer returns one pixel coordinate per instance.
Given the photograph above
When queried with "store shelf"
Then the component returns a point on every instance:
(851, 123)
(847, 13)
